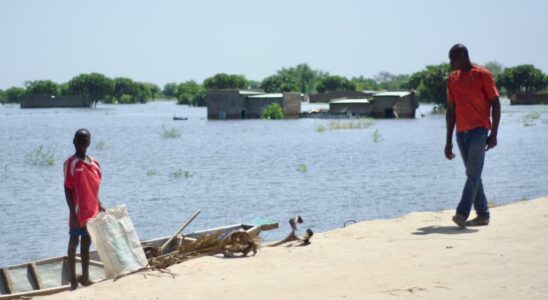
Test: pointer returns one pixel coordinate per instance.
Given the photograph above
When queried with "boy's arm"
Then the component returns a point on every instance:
(68, 197)
(101, 207)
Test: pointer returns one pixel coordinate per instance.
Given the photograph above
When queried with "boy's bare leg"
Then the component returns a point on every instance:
(84, 252)
(71, 253)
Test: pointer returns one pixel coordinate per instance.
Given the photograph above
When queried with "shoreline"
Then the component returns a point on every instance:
(421, 254)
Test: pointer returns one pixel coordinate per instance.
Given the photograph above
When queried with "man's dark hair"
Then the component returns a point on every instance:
(81, 133)
(459, 50)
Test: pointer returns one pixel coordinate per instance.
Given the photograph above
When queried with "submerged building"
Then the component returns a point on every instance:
(48, 101)
(242, 104)
(379, 105)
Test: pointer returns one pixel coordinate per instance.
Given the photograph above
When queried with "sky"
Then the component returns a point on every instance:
(175, 41)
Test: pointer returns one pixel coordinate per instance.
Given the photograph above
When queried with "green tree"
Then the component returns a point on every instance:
(170, 90)
(335, 83)
(254, 84)
(363, 83)
(223, 81)
(522, 78)
(123, 86)
(191, 93)
(2, 100)
(431, 83)
(43, 87)
(280, 83)
(93, 87)
(272, 112)
(155, 91)
(305, 77)
(13, 94)
(495, 68)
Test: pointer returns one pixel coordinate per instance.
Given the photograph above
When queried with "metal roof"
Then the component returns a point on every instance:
(347, 101)
(392, 94)
(247, 92)
(273, 95)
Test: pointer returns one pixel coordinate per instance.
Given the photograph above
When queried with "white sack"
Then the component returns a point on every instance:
(116, 241)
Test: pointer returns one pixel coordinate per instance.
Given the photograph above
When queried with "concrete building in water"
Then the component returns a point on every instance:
(241, 104)
(48, 101)
(378, 105)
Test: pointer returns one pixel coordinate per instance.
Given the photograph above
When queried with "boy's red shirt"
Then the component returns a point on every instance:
(83, 180)
(471, 92)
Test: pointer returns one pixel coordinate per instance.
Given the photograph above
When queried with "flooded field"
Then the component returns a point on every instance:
(328, 171)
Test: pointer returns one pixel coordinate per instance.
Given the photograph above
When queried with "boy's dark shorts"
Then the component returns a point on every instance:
(78, 231)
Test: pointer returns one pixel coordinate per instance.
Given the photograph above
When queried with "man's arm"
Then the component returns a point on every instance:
(450, 122)
(495, 116)
(68, 197)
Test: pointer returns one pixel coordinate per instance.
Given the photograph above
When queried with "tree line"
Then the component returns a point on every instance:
(94, 87)
(429, 83)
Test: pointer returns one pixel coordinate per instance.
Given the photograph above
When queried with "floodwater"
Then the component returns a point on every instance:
(236, 171)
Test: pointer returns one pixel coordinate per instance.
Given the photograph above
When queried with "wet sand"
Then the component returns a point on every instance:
(420, 255)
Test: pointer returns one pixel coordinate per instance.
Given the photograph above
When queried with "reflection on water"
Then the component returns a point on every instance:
(236, 171)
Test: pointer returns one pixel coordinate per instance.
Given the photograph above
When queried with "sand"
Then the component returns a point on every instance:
(420, 255)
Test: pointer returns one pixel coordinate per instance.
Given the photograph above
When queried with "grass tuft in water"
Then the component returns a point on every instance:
(151, 172)
(347, 124)
(303, 168)
(100, 145)
(531, 118)
(376, 136)
(179, 174)
(170, 133)
(41, 157)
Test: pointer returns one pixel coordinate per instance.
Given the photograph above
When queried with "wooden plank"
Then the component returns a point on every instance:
(42, 292)
(35, 276)
(5, 277)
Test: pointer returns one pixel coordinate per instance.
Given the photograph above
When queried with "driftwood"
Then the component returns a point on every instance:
(305, 239)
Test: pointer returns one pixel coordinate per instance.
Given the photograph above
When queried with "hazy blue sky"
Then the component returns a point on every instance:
(175, 41)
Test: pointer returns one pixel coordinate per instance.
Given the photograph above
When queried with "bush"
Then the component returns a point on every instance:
(272, 112)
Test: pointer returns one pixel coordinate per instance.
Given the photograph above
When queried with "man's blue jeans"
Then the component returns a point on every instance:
(472, 149)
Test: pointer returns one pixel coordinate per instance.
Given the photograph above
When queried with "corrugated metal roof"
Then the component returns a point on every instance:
(273, 95)
(392, 94)
(357, 101)
(246, 92)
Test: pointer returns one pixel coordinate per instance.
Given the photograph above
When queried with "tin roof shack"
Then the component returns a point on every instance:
(48, 101)
(289, 102)
(236, 104)
(333, 95)
(350, 107)
(521, 98)
(227, 104)
(394, 105)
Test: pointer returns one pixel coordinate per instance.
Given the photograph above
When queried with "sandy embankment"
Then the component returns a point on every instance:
(421, 255)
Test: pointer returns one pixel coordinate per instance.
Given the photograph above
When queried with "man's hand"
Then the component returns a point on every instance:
(449, 151)
(491, 142)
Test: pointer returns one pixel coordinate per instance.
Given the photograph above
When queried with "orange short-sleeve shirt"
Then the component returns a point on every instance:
(471, 92)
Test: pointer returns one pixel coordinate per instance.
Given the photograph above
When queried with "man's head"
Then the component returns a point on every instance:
(81, 141)
(458, 57)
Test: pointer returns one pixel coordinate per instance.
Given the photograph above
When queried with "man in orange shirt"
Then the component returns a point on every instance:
(82, 179)
(472, 102)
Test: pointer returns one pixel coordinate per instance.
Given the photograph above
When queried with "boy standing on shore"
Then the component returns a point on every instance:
(472, 101)
(82, 179)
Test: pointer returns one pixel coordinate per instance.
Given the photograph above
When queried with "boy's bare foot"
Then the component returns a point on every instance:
(85, 281)
(73, 285)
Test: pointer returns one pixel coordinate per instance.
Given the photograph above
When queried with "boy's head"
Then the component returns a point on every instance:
(81, 141)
